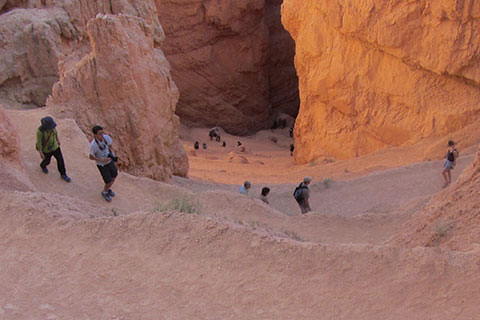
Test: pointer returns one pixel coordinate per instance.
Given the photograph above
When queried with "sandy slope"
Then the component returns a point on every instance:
(66, 256)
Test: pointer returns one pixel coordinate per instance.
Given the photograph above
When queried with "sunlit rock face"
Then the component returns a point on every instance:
(374, 74)
(218, 52)
(124, 85)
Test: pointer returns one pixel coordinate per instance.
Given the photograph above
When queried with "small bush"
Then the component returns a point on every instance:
(327, 183)
(183, 204)
(441, 228)
(313, 163)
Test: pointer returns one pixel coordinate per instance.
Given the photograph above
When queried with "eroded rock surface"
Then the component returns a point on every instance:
(124, 85)
(374, 74)
(38, 35)
(218, 52)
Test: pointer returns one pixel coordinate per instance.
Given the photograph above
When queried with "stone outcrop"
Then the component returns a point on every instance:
(38, 35)
(9, 143)
(218, 51)
(30, 49)
(124, 85)
(374, 74)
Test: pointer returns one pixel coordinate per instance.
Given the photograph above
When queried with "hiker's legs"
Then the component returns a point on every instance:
(449, 173)
(303, 207)
(108, 185)
(46, 161)
(60, 163)
(444, 174)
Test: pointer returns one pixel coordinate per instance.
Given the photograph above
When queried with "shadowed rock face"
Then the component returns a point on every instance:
(283, 80)
(124, 85)
(374, 74)
(218, 51)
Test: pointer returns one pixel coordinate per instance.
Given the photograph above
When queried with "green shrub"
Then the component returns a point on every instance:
(183, 204)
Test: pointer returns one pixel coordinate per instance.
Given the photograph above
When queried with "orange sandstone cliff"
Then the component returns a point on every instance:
(374, 74)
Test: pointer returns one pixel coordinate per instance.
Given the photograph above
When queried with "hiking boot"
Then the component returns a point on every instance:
(66, 178)
(111, 193)
(44, 170)
(106, 196)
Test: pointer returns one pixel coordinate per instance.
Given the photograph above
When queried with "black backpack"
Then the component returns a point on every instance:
(297, 194)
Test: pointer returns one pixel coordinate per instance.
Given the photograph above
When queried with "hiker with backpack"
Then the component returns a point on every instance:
(48, 145)
(302, 195)
(101, 151)
(450, 162)
(245, 188)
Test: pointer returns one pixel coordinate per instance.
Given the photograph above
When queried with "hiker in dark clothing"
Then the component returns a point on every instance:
(264, 194)
(48, 145)
(302, 195)
(224, 144)
(450, 162)
(204, 146)
(292, 147)
(196, 145)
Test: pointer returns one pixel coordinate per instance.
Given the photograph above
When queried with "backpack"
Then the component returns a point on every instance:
(297, 194)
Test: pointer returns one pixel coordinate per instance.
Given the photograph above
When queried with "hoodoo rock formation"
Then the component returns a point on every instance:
(374, 74)
(124, 85)
(232, 60)
(38, 35)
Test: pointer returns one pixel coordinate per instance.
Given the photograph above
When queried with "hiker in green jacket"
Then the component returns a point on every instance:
(48, 145)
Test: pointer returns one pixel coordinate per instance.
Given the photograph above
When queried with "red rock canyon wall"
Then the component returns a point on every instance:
(374, 74)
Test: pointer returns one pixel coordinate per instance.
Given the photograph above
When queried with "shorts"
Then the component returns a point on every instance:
(108, 172)
(448, 165)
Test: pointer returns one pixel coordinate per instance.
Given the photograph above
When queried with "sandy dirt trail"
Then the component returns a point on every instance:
(66, 256)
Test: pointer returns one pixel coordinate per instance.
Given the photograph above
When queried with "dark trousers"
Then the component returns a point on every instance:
(58, 156)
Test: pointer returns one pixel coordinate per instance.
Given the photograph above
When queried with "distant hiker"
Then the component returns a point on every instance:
(48, 145)
(101, 151)
(214, 133)
(450, 162)
(302, 195)
(264, 194)
(239, 143)
(204, 146)
(291, 131)
(196, 145)
(224, 144)
(244, 189)
(292, 147)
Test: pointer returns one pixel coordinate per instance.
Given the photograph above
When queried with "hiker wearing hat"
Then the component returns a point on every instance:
(101, 151)
(48, 145)
(450, 162)
(245, 188)
(302, 194)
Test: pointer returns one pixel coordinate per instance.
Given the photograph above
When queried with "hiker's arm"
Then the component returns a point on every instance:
(39, 144)
(103, 160)
(110, 147)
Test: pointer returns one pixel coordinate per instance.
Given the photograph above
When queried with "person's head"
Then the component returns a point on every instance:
(307, 180)
(98, 132)
(247, 185)
(451, 143)
(265, 191)
(48, 123)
